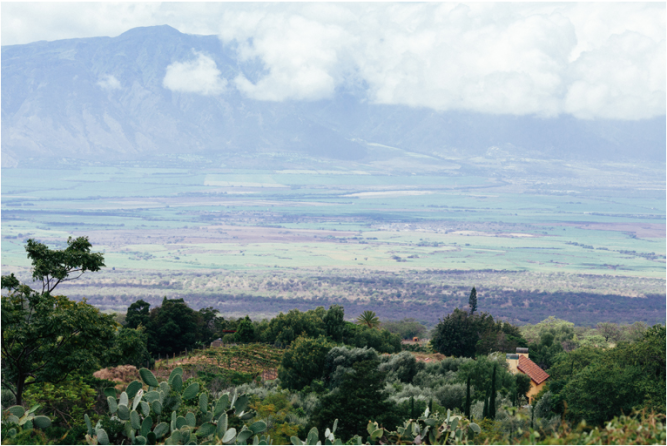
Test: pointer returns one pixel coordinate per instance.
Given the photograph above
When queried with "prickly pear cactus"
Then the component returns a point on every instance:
(151, 416)
(23, 419)
(429, 429)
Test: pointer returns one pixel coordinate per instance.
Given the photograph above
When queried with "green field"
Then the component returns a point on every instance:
(307, 222)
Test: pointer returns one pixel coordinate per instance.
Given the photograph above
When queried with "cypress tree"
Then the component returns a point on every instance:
(412, 407)
(467, 408)
(492, 399)
(473, 300)
(485, 409)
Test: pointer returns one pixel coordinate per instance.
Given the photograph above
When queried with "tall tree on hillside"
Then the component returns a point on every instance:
(492, 398)
(467, 406)
(45, 338)
(369, 319)
(472, 300)
(137, 314)
(334, 321)
(172, 328)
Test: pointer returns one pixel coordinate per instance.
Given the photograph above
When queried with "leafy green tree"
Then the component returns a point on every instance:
(406, 328)
(130, 347)
(402, 366)
(245, 331)
(334, 322)
(456, 335)
(363, 336)
(209, 326)
(340, 360)
(609, 331)
(357, 400)
(369, 319)
(544, 353)
(53, 267)
(138, 314)
(472, 300)
(303, 362)
(172, 328)
(45, 338)
(627, 377)
(285, 328)
(522, 384)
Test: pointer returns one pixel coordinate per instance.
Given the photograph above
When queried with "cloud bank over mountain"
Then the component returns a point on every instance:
(589, 61)
(200, 75)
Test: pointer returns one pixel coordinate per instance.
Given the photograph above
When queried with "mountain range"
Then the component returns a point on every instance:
(103, 98)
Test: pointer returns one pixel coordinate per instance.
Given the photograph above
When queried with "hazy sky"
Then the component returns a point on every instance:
(590, 60)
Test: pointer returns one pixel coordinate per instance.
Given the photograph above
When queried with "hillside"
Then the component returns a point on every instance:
(104, 98)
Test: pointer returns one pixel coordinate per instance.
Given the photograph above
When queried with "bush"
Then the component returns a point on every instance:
(452, 396)
(8, 398)
(402, 367)
(339, 360)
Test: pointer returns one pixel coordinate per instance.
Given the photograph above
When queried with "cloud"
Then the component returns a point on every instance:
(590, 60)
(109, 82)
(199, 76)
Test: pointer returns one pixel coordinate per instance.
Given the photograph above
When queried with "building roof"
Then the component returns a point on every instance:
(532, 370)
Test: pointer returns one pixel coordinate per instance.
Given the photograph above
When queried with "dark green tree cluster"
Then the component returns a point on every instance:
(598, 385)
(464, 334)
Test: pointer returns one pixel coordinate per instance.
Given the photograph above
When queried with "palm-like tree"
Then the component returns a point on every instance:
(369, 318)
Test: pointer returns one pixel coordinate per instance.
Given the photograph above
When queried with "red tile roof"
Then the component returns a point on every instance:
(533, 370)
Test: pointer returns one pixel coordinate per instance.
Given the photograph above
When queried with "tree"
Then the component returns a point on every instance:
(406, 328)
(472, 300)
(609, 331)
(130, 347)
(334, 322)
(285, 328)
(468, 401)
(492, 399)
(245, 331)
(209, 325)
(369, 319)
(600, 384)
(45, 338)
(357, 400)
(303, 362)
(339, 361)
(53, 267)
(172, 328)
(363, 336)
(456, 335)
(138, 314)
(522, 384)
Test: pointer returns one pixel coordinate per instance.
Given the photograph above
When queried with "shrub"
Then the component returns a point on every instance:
(402, 366)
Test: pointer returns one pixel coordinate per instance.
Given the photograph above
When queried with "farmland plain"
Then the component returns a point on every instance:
(259, 241)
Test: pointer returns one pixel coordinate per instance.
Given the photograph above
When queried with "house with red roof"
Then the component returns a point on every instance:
(519, 362)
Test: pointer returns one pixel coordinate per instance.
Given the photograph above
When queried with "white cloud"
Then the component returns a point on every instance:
(199, 76)
(109, 82)
(591, 60)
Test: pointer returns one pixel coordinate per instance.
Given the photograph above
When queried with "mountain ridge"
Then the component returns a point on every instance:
(55, 104)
